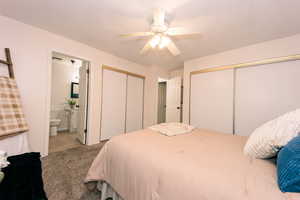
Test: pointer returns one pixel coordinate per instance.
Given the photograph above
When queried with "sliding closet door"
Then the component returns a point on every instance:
(265, 92)
(113, 104)
(211, 101)
(135, 103)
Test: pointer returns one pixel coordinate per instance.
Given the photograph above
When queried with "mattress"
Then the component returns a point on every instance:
(202, 165)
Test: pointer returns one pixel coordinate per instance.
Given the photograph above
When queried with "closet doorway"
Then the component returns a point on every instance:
(69, 97)
(122, 108)
(162, 104)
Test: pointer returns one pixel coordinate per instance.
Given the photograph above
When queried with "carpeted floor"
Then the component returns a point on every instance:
(65, 171)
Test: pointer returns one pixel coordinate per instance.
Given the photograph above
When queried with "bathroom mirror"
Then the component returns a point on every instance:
(74, 90)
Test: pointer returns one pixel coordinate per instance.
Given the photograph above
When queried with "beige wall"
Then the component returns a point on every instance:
(31, 51)
(269, 49)
(151, 108)
(176, 73)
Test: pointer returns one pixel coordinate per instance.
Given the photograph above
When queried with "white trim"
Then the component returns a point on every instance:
(62, 129)
(48, 102)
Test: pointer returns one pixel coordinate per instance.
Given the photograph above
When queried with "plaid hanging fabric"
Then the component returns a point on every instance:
(12, 119)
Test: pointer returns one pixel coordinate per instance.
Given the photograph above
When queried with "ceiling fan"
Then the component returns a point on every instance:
(161, 34)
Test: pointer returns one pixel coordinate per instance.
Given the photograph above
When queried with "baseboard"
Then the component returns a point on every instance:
(62, 129)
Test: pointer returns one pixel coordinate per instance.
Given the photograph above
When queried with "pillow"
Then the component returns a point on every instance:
(267, 139)
(288, 166)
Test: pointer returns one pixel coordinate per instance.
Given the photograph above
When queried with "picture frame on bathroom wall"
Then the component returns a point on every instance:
(74, 90)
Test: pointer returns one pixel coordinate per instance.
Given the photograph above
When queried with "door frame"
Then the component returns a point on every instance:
(48, 98)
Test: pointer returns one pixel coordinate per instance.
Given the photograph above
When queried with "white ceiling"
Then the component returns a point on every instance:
(224, 24)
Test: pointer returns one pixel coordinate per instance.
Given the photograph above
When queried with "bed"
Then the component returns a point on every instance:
(202, 165)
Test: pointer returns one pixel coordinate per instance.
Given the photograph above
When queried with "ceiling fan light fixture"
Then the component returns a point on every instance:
(164, 41)
(155, 41)
(161, 34)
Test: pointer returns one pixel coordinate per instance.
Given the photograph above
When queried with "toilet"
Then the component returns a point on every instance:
(54, 123)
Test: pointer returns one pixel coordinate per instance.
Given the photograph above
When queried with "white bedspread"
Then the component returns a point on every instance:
(201, 165)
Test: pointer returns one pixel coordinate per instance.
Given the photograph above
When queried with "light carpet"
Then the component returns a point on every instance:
(64, 172)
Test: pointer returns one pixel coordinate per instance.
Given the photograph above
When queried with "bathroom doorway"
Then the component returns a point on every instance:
(69, 98)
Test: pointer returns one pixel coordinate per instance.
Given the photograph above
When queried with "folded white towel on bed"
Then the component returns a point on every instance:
(172, 129)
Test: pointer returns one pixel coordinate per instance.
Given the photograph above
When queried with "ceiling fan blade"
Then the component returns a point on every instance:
(159, 17)
(173, 48)
(180, 31)
(146, 48)
(138, 34)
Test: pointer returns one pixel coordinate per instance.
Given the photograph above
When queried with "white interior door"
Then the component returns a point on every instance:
(113, 104)
(135, 103)
(211, 101)
(173, 109)
(265, 92)
(83, 96)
